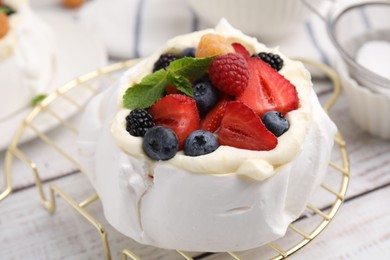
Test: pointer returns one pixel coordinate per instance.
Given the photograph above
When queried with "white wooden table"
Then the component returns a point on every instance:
(361, 229)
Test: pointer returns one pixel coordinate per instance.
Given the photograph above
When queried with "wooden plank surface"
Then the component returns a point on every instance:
(28, 231)
(359, 231)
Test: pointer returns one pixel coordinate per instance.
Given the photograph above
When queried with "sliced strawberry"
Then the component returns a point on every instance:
(239, 48)
(212, 120)
(179, 113)
(242, 128)
(268, 90)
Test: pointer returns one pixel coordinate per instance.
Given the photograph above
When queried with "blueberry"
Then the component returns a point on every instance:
(205, 95)
(189, 52)
(200, 142)
(275, 122)
(160, 143)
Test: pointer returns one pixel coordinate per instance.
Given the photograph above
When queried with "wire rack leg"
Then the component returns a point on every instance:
(85, 214)
(127, 253)
(50, 204)
(7, 177)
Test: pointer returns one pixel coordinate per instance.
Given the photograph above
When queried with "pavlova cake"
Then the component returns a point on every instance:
(26, 56)
(214, 143)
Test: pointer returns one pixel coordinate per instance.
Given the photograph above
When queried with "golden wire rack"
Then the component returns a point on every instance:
(89, 85)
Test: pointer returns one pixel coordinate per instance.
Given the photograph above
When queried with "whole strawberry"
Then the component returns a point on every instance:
(229, 73)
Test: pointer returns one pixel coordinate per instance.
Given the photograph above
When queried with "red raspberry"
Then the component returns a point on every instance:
(229, 73)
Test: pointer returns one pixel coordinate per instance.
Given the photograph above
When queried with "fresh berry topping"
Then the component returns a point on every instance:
(242, 128)
(272, 59)
(160, 143)
(268, 90)
(138, 122)
(188, 52)
(200, 142)
(71, 4)
(212, 120)
(212, 45)
(205, 95)
(239, 48)
(275, 122)
(177, 112)
(229, 73)
(4, 25)
(163, 61)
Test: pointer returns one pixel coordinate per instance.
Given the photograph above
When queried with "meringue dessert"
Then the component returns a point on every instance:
(214, 143)
(27, 57)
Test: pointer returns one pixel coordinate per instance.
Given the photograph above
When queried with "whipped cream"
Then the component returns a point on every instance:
(26, 59)
(229, 200)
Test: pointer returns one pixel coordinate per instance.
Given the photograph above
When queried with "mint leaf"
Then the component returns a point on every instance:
(6, 10)
(37, 99)
(152, 87)
(147, 92)
(190, 67)
(181, 83)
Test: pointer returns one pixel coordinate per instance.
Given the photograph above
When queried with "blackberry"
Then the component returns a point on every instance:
(272, 59)
(138, 122)
(164, 61)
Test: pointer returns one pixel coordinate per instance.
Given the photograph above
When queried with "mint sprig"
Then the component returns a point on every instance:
(37, 99)
(152, 87)
(6, 10)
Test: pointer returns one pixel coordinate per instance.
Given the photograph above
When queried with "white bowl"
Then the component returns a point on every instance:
(351, 25)
(269, 20)
(370, 110)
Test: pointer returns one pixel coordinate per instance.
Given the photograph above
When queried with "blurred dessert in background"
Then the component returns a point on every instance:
(27, 56)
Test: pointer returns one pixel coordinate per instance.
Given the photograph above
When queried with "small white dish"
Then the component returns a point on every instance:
(269, 20)
(371, 23)
(369, 110)
(78, 52)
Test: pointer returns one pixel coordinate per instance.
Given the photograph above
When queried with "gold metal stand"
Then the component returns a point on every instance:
(88, 84)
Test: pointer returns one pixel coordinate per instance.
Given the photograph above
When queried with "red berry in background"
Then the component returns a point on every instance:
(268, 90)
(177, 112)
(72, 4)
(4, 25)
(242, 128)
(229, 73)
